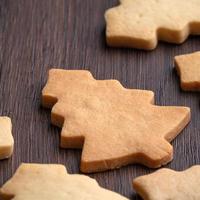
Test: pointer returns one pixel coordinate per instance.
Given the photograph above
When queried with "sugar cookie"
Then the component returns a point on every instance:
(167, 184)
(188, 68)
(6, 138)
(115, 126)
(141, 23)
(50, 182)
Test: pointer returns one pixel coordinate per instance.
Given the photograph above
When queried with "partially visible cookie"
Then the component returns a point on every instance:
(52, 182)
(141, 23)
(115, 126)
(6, 138)
(166, 184)
(188, 68)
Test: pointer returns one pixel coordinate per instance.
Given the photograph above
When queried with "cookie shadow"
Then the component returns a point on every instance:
(135, 197)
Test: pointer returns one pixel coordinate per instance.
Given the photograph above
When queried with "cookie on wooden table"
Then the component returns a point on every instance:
(141, 23)
(52, 182)
(6, 138)
(115, 126)
(167, 184)
(188, 68)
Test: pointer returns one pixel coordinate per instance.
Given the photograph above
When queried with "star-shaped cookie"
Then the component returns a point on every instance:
(141, 23)
(52, 182)
(188, 68)
(6, 138)
(166, 184)
(115, 126)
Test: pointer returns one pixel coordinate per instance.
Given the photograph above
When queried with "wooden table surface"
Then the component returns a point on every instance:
(36, 35)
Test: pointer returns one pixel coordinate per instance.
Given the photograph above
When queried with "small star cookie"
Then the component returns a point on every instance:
(167, 184)
(50, 182)
(6, 139)
(188, 68)
(141, 23)
(115, 126)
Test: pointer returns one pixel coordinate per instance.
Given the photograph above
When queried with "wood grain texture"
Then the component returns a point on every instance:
(36, 35)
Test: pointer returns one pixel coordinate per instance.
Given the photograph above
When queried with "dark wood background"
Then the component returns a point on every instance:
(36, 35)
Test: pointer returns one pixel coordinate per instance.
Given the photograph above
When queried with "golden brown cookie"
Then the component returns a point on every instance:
(141, 23)
(166, 184)
(6, 139)
(115, 126)
(188, 68)
(52, 182)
